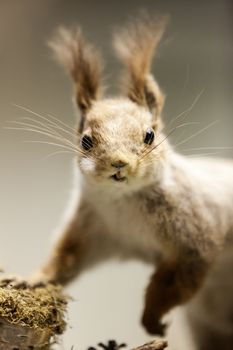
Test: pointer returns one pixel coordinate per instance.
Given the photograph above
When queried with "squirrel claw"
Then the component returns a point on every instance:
(157, 328)
(153, 325)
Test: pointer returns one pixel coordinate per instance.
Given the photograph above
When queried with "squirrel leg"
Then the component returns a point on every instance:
(81, 245)
(171, 285)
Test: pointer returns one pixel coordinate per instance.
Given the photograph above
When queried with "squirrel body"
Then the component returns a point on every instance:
(138, 197)
(190, 192)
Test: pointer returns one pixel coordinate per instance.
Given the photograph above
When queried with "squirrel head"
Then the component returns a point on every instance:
(120, 140)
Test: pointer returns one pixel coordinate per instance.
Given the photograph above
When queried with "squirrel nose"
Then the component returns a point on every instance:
(119, 164)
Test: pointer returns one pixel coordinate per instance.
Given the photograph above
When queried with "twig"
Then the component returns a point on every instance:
(153, 345)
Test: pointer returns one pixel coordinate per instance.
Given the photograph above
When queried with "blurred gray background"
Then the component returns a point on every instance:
(196, 56)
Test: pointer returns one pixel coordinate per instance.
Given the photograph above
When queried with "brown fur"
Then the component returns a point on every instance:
(135, 46)
(83, 63)
(172, 285)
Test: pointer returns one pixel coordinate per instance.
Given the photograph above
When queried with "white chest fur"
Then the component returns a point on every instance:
(126, 223)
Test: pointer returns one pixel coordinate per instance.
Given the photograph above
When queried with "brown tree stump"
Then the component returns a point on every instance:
(30, 318)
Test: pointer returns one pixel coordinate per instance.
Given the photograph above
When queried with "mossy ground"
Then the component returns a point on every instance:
(38, 308)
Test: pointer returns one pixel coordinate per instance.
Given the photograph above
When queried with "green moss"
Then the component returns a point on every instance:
(38, 308)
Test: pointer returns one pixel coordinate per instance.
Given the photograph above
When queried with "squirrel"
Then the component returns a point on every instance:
(137, 197)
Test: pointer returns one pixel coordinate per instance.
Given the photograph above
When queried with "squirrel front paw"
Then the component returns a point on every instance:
(13, 281)
(152, 324)
(40, 279)
(17, 282)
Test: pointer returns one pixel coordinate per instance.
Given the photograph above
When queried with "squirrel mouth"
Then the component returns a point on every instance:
(117, 177)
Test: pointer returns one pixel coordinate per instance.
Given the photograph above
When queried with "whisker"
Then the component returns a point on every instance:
(219, 151)
(56, 153)
(66, 143)
(189, 138)
(62, 123)
(181, 136)
(157, 145)
(177, 127)
(35, 126)
(207, 148)
(49, 125)
(169, 133)
(38, 123)
(73, 133)
(52, 131)
(47, 129)
(75, 150)
(52, 123)
(39, 130)
(203, 154)
(42, 133)
(189, 109)
(50, 143)
(34, 113)
(176, 118)
(147, 162)
(43, 117)
(197, 133)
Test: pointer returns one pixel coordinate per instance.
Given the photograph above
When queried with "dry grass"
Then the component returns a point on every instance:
(37, 308)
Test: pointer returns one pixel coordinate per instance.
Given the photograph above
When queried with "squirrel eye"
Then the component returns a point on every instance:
(149, 138)
(87, 142)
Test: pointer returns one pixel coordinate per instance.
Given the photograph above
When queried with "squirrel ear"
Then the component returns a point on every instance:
(82, 62)
(135, 46)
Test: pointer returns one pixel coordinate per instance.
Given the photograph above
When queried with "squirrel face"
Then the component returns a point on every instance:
(120, 140)
(116, 141)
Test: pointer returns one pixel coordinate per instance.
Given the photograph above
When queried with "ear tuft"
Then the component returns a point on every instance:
(135, 46)
(81, 61)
